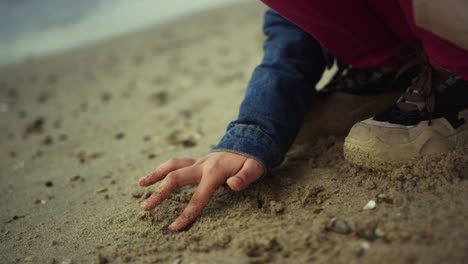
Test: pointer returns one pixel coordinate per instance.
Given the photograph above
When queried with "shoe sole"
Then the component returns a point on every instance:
(378, 155)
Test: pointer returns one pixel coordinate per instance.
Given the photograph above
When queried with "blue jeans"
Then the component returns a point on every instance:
(278, 95)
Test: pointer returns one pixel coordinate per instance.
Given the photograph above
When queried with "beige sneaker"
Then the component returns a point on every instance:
(428, 118)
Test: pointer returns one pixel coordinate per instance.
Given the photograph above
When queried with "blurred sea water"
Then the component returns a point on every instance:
(34, 28)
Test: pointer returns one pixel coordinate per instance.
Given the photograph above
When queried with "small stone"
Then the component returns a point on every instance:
(363, 249)
(37, 126)
(189, 142)
(379, 232)
(119, 135)
(177, 261)
(67, 261)
(28, 259)
(370, 205)
(340, 226)
(160, 98)
(107, 197)
(102, 190)
(367, 234)
(151, 156)
(49, 183)
(146, 138)
(53, 243)
(137, 194)
(318, 211)
(4, 232)
(40, 201)
(84, 157)
(76, 178)
(12, 154)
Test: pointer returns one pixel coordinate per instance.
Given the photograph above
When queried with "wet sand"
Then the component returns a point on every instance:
(78, 130)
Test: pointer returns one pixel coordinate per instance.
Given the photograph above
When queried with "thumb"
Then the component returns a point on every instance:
(250, 172)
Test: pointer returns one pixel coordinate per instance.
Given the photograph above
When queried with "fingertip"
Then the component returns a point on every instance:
(234, 183)
(144, 205)
(175, 226)
(141, 181)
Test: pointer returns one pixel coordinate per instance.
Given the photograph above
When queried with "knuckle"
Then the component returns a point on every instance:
(242, 179)
(173, 176)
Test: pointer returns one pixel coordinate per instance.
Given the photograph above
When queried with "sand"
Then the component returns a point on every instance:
(77, 130)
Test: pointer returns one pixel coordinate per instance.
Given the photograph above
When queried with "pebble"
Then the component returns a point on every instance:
(367, 234)
(379, 232)
(84, 157)
(137, 194)
(340, 226)
(68, 261)
(370, 205)
(151, 156)
(146, 138)
(49, 183)
(40, 201)
(102, 190)
(177, 261)
(37, 126)
(160, 98)
(363, 249)
(119, 135)
(28, 259)
(4, 232)
(76, 178)
(53, 243)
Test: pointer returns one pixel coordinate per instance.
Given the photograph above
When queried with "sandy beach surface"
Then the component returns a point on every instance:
(78, 130)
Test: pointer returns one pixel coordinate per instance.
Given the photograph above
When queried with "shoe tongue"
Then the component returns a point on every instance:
(411, 93)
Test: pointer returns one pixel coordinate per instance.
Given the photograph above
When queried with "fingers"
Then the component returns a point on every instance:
(173, 180)
(199, 200)
(165, 168)
(250, 172)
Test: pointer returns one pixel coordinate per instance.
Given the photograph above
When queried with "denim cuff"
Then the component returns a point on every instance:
(251, 142)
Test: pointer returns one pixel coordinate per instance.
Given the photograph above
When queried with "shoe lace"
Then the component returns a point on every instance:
(421, 93)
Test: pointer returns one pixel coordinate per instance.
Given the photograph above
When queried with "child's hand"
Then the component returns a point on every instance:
(209, 172)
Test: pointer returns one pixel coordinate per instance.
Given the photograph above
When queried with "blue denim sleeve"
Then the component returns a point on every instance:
(278, 95)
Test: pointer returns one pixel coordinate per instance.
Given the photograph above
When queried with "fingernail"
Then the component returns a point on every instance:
(173, 226)
(235, 182)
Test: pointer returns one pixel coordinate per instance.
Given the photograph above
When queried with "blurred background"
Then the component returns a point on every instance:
(34, 28)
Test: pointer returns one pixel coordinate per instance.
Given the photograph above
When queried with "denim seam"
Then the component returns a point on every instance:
(256, 129)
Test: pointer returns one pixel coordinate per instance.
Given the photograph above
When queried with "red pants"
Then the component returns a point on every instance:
(367, 33)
